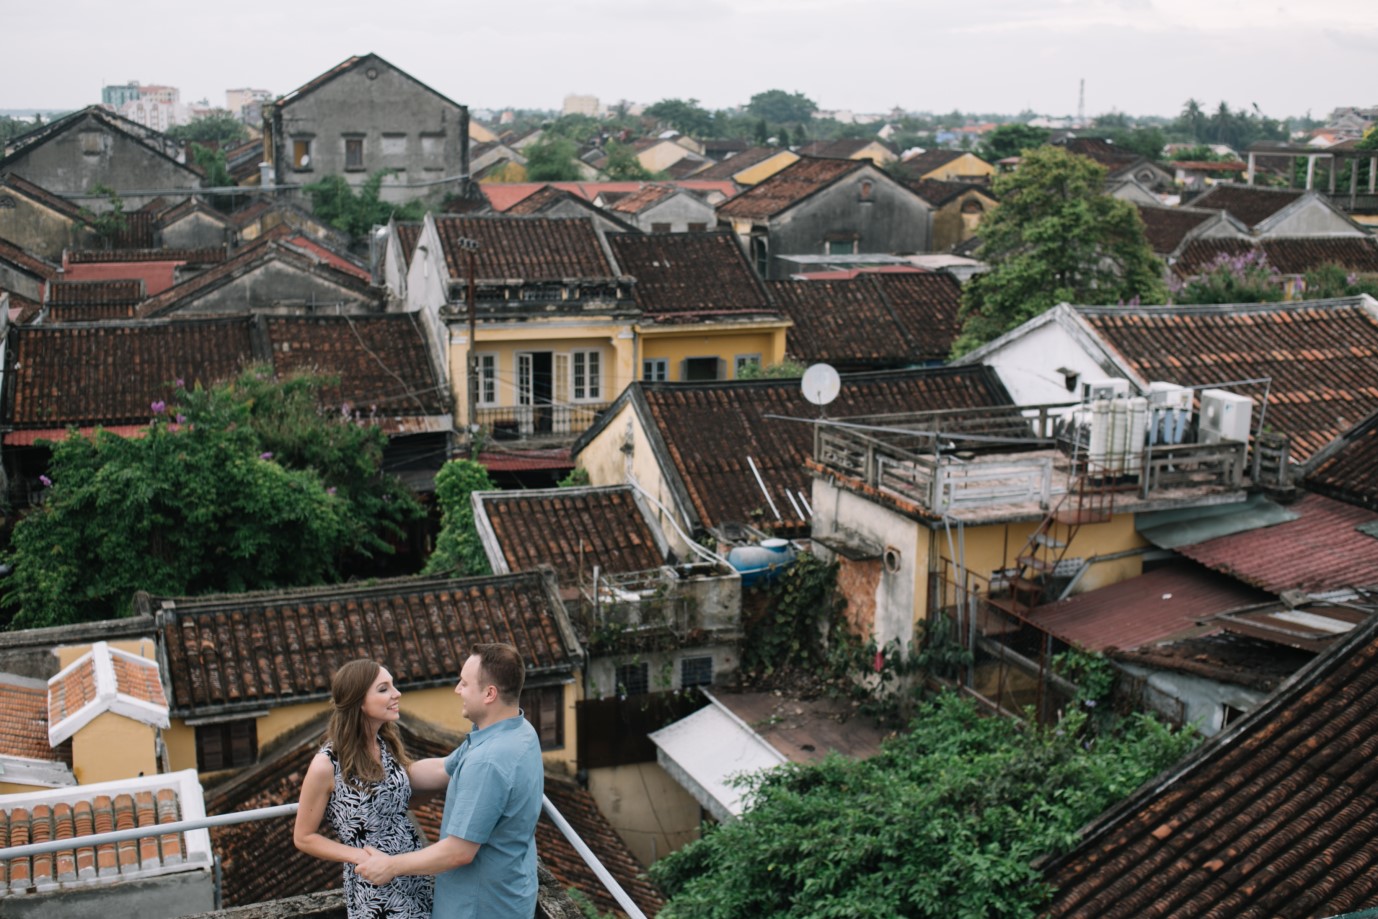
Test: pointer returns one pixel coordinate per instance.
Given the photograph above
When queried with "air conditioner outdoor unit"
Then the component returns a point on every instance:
(1225, 416)
(1114, 388)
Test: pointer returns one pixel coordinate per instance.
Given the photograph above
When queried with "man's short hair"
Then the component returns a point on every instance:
(502, 666)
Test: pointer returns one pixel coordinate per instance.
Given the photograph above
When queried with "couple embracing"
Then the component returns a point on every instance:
(484, 864)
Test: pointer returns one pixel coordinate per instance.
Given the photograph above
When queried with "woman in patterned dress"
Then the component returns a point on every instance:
(358, 781)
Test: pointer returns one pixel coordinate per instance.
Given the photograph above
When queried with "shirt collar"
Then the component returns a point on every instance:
(479, 735)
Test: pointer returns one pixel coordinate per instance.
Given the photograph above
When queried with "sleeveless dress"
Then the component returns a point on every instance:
(376, 815)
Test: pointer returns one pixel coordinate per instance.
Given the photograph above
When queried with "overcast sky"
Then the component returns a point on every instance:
(1142, 57)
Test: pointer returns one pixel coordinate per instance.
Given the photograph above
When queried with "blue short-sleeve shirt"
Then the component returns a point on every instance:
(494, 799)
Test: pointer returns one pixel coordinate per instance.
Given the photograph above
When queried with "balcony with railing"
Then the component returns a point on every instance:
(539, 422)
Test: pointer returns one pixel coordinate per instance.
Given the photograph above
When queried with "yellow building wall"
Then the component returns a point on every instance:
(965, 166)
(615, 343)
(180, 741)
(759, 172)
(662, 156)
(143, 647)
(676, 346)
(480, 134)
(114, 747)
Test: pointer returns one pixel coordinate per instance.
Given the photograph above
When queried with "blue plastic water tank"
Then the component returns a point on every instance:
(762, 562)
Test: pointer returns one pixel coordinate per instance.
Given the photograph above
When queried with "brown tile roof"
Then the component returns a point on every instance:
(1223, 657)
(937, 192)
(1154, 606)
(738, 163)
(24, 720)
(31, 264)
(82, 293)
(843, 148)
(1320, 551)
(1346, 472)
(572, 530)
(22, 309)
(251, 212)
(528, 248)
(1319, 355)
(686, 168)
(252, 651)
(208, 256)
(871, 320)
(689, 273)
(788, 187)
(382, 361)
(1166, 227)
(1273, 817)
(102, 808)
(75, 375)
(1250, 204)
(638, 201)
(72, 690)
(710, 429)
(1294, 255)
(38, 193)
(543, 198)
(408, 235)
(921, 164)
(1102, 151)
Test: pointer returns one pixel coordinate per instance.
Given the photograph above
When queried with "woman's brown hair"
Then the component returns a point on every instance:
(348, 687)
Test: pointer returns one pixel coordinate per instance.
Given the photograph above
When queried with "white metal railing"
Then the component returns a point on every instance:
(286, 810)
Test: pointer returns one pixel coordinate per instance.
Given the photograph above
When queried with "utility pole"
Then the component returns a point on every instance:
(470, 247)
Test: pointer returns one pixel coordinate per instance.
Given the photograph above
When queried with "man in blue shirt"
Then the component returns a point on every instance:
(485, 861)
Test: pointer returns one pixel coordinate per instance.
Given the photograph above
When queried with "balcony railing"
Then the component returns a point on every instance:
(288, 810)
(521, 422)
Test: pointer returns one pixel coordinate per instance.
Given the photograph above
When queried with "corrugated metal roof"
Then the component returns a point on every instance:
(1188, 525)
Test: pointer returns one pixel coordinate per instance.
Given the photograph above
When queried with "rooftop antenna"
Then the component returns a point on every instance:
(1081, 104)
(821, 385)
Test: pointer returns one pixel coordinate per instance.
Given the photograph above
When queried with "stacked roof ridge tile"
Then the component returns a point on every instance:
(1346, 474)
(18, 255)
(1275, 817)
(205, 256)
(24, 721)
(529, 248)
(689, 273)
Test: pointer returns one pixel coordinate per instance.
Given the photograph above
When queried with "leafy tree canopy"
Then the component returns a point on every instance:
(552, 159)
(943, 822)
(1012, 140)
(458, 549)
(684, 115)
(110, 221)
(778, 107)
(243, 486)
(623, 165)
(1336, 281)
(1148, 142)
(1055, 237)
(217, 127)
(336, 202)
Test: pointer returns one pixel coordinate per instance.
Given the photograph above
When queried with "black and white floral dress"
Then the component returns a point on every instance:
(376, 815)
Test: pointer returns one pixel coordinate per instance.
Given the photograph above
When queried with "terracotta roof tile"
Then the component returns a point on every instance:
(184, 256)
(694, 273)
(1273, 817)
(642, 199)
(529, 248)
(1347, 473)
(251, 651)
(1289, 255)
(38, 193)
(1250, 204)
(788, 187)
(1320, 551)
(572, 530)
(921, 164)
(738, 162)
(80, 293)
(874, 320)
(31, 264)
(24, 720)
(1318, 354)
(937, 192)
(104, 679)
(842, 148)
(536, 203)
(710, 430)
(1166, 227)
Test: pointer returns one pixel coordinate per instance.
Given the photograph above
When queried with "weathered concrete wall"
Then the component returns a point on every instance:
(176, 894)
(35, 228)
(275, 287)
(677, 212)
(195, 231)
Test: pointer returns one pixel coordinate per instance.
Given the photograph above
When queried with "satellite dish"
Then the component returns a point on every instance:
(821, 384)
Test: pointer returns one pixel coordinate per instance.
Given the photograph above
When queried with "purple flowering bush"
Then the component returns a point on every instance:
(1245, 277)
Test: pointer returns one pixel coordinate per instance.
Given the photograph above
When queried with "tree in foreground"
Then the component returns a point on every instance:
(244, 486)
(1056, 237)
(945, 821)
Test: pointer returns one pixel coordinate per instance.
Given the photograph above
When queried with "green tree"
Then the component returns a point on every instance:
(107, 223)
(777, 106)
(786, 369)
(1055, 237)
(1148, 141)
(336, 202)
(1192, 121)
(1337, 281)
(945, 821)
(1012, 140)
(552, 159)
(457, 548)
(684, 115)
(623, 165)
(1243, 278)
(219, 127)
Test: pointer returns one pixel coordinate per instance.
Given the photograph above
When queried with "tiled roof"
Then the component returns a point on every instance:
(529, 248)
(1154, 606)
(642, 199)
(82, 374)
(687, 167)
(689, 273)
(843, 148)
(382, 360)
(1346, 472)
(31, 264)
(251, 212)
(104, 679)
(537, 202)
(921, 164)
(738, 163)
(1222, 657)
(408, 235)
(502, 195)
(1289, 255)
(193, 205)
(1166, 227)
(101, 808)
(252, 651)
(82, 293)
(788, 187)
(1273, 817)
(24, 718)
(38, 193)
(1250, 204)
(1320, 551)
(937, 192)
(22, 310)
(1319, 355)
(207, 256)
(1102, 151)
(573, 530)
(874, 319)
(710, 430)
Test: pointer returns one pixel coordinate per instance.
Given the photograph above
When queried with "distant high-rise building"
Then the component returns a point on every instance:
(247, 104)
(117, 95)
(580, 105)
